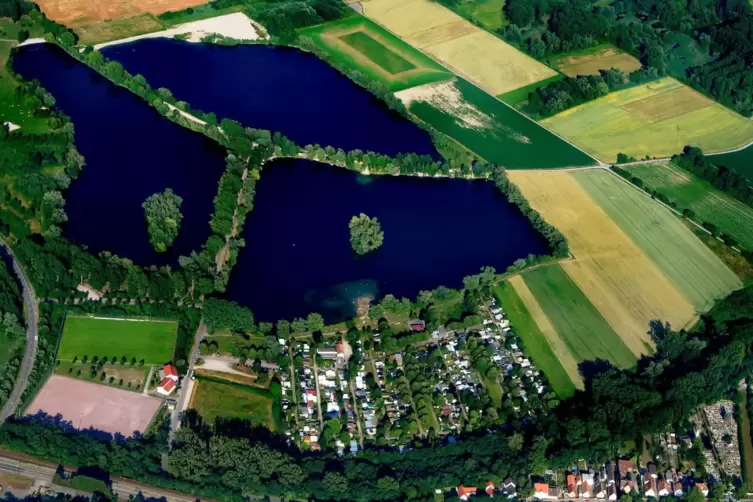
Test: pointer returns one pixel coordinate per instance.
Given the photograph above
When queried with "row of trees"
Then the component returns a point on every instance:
(572, 91)
(688, 369)
(12, 332)
(725, 179)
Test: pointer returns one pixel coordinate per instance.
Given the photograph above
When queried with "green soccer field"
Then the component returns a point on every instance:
(583, 329)
(665, 239)
(534, 341)
(730, 216)
(152, 341)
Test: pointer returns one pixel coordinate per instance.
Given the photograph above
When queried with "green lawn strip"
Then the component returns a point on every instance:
(685, 260)
(500, 134)
(746, 445)
(588, 51)
(222, 398)
(152, 341)
(225, 344)
(489, 13)
(431, 71)
(583, 329)
(377, 52)
(198, 13)
(709, 204)
(534, 341)
(517, 96)
(494, 388)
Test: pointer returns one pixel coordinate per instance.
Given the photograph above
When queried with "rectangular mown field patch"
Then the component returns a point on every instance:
(377, 52)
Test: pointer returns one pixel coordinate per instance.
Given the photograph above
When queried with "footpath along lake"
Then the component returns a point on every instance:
(297, 257)
(273, 88)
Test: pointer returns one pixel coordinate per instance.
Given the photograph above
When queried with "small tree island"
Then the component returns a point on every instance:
(365, 234)
(163, 218)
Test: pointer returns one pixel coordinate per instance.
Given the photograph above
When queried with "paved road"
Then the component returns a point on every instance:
(32, 317)
(187, 384)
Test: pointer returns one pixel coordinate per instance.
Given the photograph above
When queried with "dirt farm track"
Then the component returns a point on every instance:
(78, 12)
(86, 405)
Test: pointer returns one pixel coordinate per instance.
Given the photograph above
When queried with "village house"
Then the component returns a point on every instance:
(465, 492)
(169, 381)
(542, 491)
(490, 488)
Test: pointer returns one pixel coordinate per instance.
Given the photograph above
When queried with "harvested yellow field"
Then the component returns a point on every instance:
(620, 280)
(559, 348)
(491, 63)
(656, 119)
(590, 63)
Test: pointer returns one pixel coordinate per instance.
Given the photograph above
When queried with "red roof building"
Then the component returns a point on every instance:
(465, 492)
(490, 488)
(418, 326)
(171, 372)
(166, 386)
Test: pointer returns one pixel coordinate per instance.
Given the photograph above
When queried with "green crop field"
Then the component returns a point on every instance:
(578, 323)
(214, 398)
(683, 258)
(490, 128)
(152, 341)
(657, 119)
(731, 216)
(363, 45)
(377, 52)
(534, 341)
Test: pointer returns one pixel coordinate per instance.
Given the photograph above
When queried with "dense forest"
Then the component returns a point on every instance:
(707, 43)
(231, 458)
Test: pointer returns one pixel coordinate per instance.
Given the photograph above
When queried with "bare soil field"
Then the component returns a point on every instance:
(78, 12)
(89, 405)
(620, 280)
(589, 64)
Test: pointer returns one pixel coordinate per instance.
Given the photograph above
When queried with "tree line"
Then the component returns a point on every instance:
(617, 405)
(572, 91)
(12, 331)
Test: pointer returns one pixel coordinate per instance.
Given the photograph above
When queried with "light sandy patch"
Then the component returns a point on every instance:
(625, 285)
(236, 25)
(590, 64)
(446, 97)
(32, 41)
(186, 114)
(221, 363)
(11, 126)
(559, 348)
(489, 61)
(91, 293)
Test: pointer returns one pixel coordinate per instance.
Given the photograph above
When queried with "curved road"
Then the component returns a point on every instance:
(32, 316)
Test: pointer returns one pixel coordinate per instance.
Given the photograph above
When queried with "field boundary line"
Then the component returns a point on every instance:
(465, 77)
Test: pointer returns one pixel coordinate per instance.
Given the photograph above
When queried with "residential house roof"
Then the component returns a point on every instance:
(541, 488)
(464, 492)
(489, 488)
(625, 467)
(170, 371)
(167, 384)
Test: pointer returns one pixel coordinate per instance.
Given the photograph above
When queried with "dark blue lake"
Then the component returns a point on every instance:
(279, 89)
(131, 152)
(298, 258)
